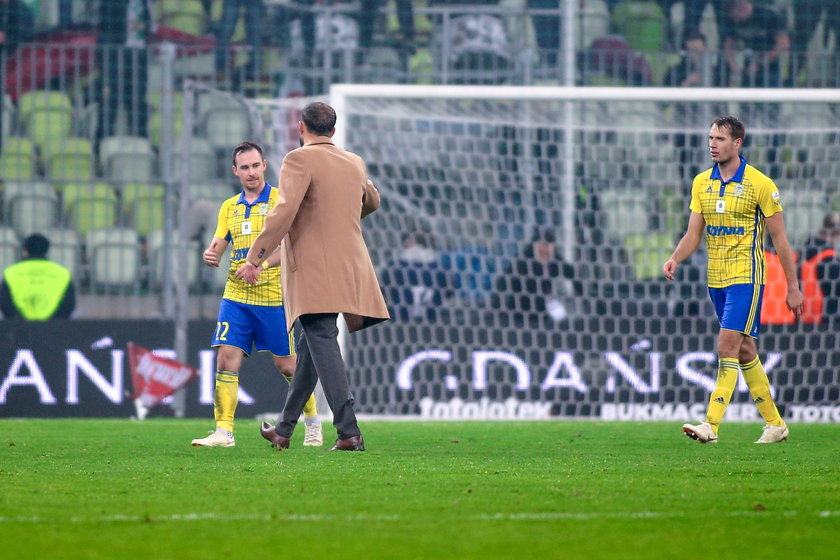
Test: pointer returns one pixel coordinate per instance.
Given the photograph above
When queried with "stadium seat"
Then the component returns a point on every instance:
(156, 250)
(215, 192)
(185, 15)
(203, 161)
(65, 248)
(113, 256)
(642, 24)
(10, 116)
(226, 126)
(625, 212)
(804, 211)
(143, 205)
(647, 251)
(156, 125)
(127, 158)
(30, 207)
(594, 22)
(45, 115)
(9, 247)
(18, 160)
(90, 206)
(68, 158)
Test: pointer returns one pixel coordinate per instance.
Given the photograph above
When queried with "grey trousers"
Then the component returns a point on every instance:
(319, 357)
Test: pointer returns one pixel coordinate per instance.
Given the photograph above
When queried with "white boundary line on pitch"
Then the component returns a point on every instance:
(525, 516)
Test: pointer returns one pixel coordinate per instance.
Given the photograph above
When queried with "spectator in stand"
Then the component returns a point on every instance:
(254, 11)
(37, 289)
(761, 35)
(820, 271)
(367, 22)
(415, 284)
(828, 275)
(805, 19)
(694, 15)
(538, 288)
(126, 26)
(546, 27)
(824, 239)
(17, 25)
(696, 68)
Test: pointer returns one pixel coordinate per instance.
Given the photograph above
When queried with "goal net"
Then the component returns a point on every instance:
(521, 238)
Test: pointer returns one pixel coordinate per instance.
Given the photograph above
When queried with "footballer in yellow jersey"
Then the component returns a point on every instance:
(249, 316)
(733, 204)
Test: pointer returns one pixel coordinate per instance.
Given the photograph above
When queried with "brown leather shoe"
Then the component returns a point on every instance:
(278, 442)
(355, 443)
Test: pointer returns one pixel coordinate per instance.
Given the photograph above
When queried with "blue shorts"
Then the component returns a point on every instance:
(738, 307)
(243, 326)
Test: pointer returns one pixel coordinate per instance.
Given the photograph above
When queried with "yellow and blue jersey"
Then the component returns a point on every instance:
(239, 224)
(734, 212)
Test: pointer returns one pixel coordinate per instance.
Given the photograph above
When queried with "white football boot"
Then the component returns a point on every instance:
(217, 438)
(773, 434)
(313, 435)
(702, 432)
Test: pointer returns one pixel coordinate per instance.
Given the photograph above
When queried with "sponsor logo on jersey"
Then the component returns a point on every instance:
(716, 231)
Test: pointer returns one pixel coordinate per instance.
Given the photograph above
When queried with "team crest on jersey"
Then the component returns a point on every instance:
(262, 210)
(739, 189)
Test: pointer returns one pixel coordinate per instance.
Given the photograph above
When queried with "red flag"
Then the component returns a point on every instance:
(154, 377)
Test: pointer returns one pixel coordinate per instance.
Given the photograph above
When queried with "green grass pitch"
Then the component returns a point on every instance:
(117, 489)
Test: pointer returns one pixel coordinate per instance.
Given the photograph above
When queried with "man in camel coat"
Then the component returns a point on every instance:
(325, 268)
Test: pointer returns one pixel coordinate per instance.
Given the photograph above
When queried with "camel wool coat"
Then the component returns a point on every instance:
(325, 264)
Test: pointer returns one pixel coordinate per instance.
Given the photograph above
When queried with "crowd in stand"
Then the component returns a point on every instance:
(265, 47)
(268, 44)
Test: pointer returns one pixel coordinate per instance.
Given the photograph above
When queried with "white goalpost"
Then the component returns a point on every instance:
(470, 176)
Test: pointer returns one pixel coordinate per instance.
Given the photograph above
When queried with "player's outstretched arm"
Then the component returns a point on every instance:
(776, 229)
(686, 246)
(214, 251)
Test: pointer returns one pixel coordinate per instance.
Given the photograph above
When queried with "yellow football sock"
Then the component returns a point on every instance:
(309, 409)
(759, 385)
(227, 397)
(727, 378)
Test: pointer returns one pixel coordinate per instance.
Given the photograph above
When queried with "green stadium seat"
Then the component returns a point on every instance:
(90, 206)
(18, 160)
(68, 158)
(143, 205)
(647, 251)
(45, 115)
(185, 15)
(642, 24)
(156, 126)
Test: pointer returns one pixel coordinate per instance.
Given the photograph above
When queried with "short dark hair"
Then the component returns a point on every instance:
(319, 118)
(693, 35)
(36, 246)
(246, 147)
(732, 125)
